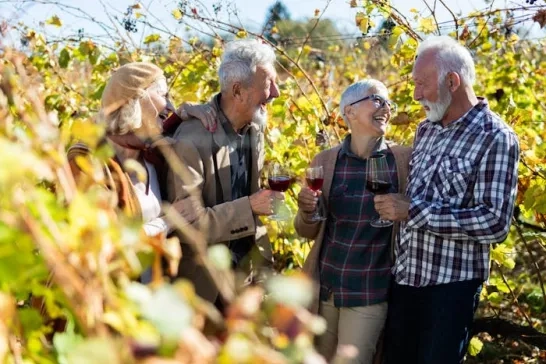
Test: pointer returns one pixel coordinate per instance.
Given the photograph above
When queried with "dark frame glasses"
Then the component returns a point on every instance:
(379, 102)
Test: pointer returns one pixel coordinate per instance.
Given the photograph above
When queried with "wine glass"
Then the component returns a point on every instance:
(378, 181)
(315, 179)
(279, 180)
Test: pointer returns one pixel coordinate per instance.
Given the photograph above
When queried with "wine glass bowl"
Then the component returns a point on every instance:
(378, 181)
(315, 179)
(279, 180)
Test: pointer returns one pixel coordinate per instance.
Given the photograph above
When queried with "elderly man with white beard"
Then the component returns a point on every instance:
(459, 200)
(224, 166)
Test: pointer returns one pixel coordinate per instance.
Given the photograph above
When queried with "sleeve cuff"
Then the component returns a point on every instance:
(418, 214)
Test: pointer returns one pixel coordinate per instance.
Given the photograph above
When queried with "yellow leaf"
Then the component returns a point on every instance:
(413, 10)
(241, 34)
(138, 15)
(475, 346)
(396, 33)
(177, 14)
(426, 25)
(54, 20)
(362, 22)
(152, 38)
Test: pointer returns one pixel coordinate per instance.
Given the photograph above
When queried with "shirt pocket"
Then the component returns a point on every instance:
(453, 177)
(336, 200)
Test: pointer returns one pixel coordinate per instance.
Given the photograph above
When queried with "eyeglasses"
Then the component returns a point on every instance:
(379, 102)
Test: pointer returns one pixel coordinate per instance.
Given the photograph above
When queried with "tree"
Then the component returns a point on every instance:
(276, 12)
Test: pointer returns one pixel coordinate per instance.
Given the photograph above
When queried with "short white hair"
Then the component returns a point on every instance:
(129, 116)
(359, 90)
(451, 56)
(240, 59)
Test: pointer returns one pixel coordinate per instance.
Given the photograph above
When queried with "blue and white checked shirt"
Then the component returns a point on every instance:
(462, 186)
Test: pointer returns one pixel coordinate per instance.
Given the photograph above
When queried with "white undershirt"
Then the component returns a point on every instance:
(150, 203)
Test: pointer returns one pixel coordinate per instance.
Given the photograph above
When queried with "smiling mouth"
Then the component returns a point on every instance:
(380, 119)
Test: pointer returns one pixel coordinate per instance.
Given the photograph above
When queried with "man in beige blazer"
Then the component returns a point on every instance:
(224, 165)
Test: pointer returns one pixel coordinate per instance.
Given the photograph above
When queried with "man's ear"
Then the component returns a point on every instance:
(453, 81)
(236, 91)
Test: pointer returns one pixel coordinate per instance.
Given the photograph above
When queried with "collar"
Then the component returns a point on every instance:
(224, 121)
(381, 145)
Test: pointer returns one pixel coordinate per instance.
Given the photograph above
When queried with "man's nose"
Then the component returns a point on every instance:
(274, 91)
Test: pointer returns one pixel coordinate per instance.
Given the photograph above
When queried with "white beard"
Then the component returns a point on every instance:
(260, 117)
(438, 109)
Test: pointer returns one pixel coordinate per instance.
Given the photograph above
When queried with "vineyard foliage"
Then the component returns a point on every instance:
(67, 260)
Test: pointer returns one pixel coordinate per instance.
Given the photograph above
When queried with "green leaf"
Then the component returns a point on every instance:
(475, 346)
(152, 38)
(64, 58)
(30, 318)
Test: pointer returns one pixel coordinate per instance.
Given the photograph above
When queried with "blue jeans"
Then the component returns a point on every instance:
(430, 325)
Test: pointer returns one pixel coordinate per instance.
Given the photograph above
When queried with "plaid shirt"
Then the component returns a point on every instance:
(462, 186)
(355, 257)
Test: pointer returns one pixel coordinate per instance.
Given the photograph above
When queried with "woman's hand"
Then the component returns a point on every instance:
(307, 200)
(204, 112)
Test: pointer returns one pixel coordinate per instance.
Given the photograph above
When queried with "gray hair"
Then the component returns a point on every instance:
(451, 56)
(359, 90)
(240, 59)
(129, 116)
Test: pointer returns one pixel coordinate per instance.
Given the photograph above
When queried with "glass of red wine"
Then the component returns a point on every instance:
(279, 180)
(315, 179)
(378, 181)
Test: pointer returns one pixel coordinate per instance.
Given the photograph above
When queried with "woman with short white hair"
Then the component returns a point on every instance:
(350, 260)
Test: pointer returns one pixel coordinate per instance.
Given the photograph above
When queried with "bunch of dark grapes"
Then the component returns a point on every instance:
(129, 25)
(530, 2)
(128, 22)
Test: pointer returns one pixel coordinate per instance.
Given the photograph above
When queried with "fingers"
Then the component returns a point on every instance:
(263, 201)
(307, 199)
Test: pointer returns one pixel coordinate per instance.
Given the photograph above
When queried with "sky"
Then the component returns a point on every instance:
(250, 13)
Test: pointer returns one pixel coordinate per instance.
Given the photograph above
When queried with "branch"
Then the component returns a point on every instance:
(400, 19)
(509, 330)
(514, 297)
(312, 29)
(484, 25)
(455, 17)
(433, 13)
(534, 263)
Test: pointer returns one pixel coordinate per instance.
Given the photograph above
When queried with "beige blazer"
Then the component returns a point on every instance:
(315, 230)
(223, 222)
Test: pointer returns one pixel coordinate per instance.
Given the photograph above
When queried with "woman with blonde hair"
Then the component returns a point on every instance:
(134, 106)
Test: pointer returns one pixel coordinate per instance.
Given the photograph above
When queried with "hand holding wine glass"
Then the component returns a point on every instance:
(315, 179)
(378, 181)
(279, 180)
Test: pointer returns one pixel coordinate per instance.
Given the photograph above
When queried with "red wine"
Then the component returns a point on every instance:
(378, 187)
(315, 183)
(279, 183)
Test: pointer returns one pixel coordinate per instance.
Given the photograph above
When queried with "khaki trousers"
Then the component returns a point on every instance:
(357, 326)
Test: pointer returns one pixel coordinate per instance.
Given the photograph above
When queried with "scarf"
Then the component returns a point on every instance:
(147, 153)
